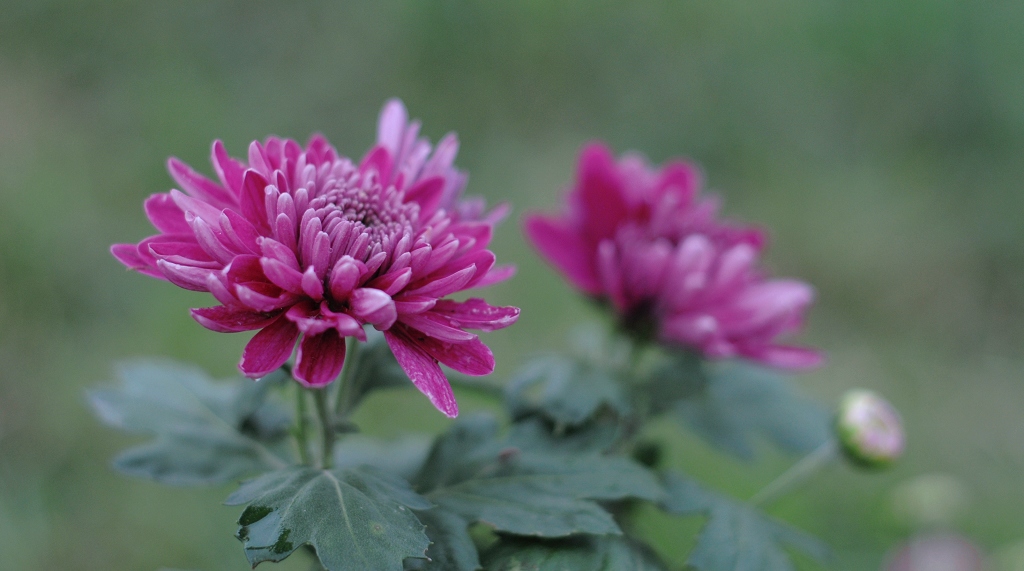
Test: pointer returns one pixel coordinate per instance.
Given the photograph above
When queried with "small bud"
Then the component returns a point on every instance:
(869, 429)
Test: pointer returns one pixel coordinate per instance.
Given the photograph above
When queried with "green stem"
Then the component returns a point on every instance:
(346, 392)
(301, 436)
(323, 410)
(797, 473)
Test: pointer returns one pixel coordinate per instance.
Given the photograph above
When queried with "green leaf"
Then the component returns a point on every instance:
(206, 432)
(566, 391)
(736, 537)
(742, 401)
(451, 547)
(520, 484)
(585, 553)
(355, 519)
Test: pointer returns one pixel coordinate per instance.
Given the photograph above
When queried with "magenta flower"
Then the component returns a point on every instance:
(643, 242)
(306, 243)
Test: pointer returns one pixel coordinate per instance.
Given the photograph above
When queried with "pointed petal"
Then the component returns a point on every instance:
(599, 192)
(437, 326)
(165, 214)
(197, 185)
(565, 250)
(469, 357)
(269, 349)
(475, 313)
(320, 358)
(424, 373)
(231, 320)
(228, 169)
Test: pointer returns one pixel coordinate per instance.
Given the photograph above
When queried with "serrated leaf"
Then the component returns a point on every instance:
(566, 391)
(585, 553)
(451, 547)
(516, 485)
(206, 432)
(356, 519)
(741, 402)
(736, 537)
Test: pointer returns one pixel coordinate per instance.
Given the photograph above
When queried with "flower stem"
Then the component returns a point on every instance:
(301, 436)
(323, 411)
(346, 392)
(797, 473)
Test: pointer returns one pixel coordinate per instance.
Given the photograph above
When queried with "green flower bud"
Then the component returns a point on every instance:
(869, 429)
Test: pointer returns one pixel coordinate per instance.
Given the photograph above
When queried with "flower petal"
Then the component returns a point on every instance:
(165, 214)
(231, 320)
(374, 307)
(565, 250)
(475, 313)
(197, 185)
(320, 358)
(269, 349)
(424, 372)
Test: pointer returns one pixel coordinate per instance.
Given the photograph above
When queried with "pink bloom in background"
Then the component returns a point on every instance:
(641, 240)
(302, 242)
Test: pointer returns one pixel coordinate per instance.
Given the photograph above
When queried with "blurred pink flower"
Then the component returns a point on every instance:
(870, 429)
(641, 240)
(305, 243)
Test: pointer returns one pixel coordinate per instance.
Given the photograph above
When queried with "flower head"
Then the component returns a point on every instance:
(869, 429)
(302, 242)
(642, 241)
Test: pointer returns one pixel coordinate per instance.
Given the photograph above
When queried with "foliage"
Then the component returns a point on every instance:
(553, 489)
(205, 432)
(355, 519)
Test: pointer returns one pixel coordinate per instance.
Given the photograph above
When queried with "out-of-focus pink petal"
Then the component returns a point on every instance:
(599, 192)
(785, 357)
(269, 349)
(320, 358)
(565, 250)
(427, 193)
(424, 372)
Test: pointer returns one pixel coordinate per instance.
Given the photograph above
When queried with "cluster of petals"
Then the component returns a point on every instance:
(641, 240)
(301, 242)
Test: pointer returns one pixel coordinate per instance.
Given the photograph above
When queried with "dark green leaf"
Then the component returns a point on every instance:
(737, 537)
(355, 519)
(585, 553)
(522, 484)
(206, 432)
(741, 401)
(451, 547)
(565, 391)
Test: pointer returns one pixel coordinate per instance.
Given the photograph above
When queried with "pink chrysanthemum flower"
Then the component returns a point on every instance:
(302, 242)
(641, 240)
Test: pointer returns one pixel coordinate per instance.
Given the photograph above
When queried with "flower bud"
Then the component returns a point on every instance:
(869, 429)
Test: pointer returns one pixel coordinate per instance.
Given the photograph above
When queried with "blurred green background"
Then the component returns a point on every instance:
(881, 141)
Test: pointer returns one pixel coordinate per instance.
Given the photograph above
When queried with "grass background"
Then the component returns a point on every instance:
(881, 141)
